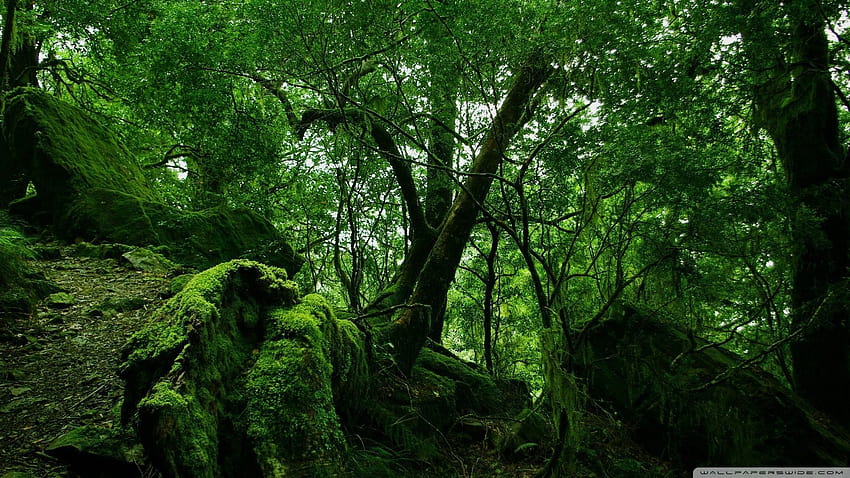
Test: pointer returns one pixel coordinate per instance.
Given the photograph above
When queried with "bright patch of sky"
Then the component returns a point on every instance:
(838, 28)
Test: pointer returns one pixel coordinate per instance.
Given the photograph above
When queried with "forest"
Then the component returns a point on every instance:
(541, 238)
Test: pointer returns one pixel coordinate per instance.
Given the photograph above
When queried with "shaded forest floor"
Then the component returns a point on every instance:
(59, 366)
(58, 372)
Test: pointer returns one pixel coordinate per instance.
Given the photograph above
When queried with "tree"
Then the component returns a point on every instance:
(607, 153)
(795, 102)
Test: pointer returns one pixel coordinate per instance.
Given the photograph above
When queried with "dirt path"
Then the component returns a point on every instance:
(58, 368)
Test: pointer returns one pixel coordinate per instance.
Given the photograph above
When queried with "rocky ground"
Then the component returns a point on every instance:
(58, 367)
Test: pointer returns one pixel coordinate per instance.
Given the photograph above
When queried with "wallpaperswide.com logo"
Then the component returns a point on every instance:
(733, 472)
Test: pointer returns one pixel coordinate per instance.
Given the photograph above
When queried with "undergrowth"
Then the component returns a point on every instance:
(15, 254)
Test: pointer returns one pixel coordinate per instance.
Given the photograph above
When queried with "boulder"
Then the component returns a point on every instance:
(698, 404)
(89, 186)
(145, 260)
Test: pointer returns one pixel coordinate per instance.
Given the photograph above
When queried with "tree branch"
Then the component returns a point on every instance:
(386, 148)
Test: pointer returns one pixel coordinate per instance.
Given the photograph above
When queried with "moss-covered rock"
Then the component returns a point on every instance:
(95, 451)
(528, 433)
(89, 186)
(60, 300)
(475, 390)
(700, 405)
(414, 415)
(143, 259)
(64, 151)
(118, 304)
(234, 378)
(100, 251)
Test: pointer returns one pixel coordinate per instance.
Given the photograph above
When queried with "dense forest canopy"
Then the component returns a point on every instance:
(500, 176)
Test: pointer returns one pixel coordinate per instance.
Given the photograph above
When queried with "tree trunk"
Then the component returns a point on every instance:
(438, 192)
(6, 44)
(802, 119)
(489, 288)
(23, 50)
(410, 330)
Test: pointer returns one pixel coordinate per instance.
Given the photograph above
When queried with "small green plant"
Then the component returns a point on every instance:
(14, 256)
(629, 465)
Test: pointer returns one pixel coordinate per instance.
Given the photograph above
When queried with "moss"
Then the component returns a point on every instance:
(528, 432)
(350, 358)
(17, 293)
(476, 391)
(197, 238)
(151, 352)
(224, 387)
(83, 154)
(655, 377)
(144, 259)
(15, 255)
(293, 424)
(178, 283)
(93, 188)
(435, 400)
(308, 361)
(185, 434)
(100, 251)
(95, 450)
(60, 300)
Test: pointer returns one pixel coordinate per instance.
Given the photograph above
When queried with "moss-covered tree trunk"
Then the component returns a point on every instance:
(410, 329)
(18, 61)
(239, 376)
(442, 97)
(18, 51)
(802, 119)
(6, 43)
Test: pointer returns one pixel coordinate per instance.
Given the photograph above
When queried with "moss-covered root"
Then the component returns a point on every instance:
(224, 386)
(184, 372)
(308, 357)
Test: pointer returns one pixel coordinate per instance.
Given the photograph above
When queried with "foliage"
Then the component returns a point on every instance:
(14, 256)
(643, 174)
(18, 291)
